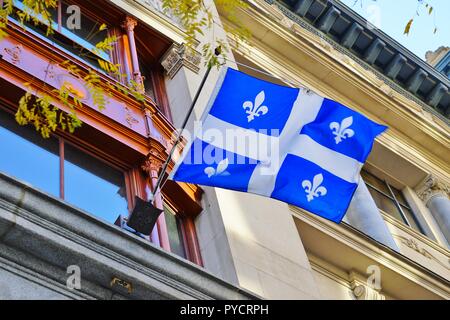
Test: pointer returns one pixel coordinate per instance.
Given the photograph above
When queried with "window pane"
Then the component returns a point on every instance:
(386, 204)
(148, 82)
(27, 156)
(375, 182)
(399, 196)
(88, 33)
(92, 185)
(175, 236)
(75, 41)
(410, 216)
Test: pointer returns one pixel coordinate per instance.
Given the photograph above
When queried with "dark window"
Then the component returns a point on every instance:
(391, 200)
(174, 230)
(148, 81)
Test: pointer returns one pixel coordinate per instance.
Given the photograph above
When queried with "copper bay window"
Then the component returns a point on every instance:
(86, 180)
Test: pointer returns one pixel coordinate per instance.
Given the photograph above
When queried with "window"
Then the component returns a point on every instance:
(93, 186)
(79, 41)
(148, 81)
(175, 233)
(28, 157)
(62, 170)
(391, 200)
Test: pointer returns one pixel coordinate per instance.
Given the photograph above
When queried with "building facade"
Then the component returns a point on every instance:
(60, 198)
(440, 59)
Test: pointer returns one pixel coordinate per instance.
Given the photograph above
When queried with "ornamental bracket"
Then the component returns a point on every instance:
(179, 56)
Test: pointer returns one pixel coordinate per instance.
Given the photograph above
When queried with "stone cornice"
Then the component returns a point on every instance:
(149, 15)
(431, 187)
(274, 17)
(412, 233)
(262, 16)
(378, 42)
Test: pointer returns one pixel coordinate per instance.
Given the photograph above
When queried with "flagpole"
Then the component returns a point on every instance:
(183, 126)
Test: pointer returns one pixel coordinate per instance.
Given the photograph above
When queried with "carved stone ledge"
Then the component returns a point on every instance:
(179, 56)
(431, 187)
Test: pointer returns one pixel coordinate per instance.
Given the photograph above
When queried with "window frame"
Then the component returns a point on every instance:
(187, 229)
(180, 227)
(399, 206)
(68, 35)
(84, 147)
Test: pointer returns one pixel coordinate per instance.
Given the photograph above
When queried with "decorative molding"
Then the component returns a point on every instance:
(15, 53)
(179, 56)
(431, 187)
(129, 24)
(153, 163)
(129, 117)
(362, 290)
(329, 270)
(415, 234)
(157, 6)
(414, 245)
(305, 25)
(365, 246)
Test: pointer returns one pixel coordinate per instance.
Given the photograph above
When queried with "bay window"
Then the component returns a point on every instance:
(77, 171)
(74, 31)
(85, 180)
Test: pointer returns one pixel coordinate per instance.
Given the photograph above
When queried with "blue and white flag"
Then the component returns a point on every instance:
(285, 143)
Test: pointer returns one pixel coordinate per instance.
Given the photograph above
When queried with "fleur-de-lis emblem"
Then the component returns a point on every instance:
(256, 109)
(314, 189)
(342, 130)
(219, 171)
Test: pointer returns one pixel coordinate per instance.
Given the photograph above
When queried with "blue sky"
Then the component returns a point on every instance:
(392, 16)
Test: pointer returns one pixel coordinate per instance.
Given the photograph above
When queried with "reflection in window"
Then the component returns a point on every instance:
(89, 183)
(174, 231)
(28, 157)
(79, 41)
(93, 186)
(390, 200)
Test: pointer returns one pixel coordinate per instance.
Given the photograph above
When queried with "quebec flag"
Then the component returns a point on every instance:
(285, 143)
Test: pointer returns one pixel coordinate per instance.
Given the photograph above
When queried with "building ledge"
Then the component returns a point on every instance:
(349, 249)
(40, 236)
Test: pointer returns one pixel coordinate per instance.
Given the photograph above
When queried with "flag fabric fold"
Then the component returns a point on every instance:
(286, 143)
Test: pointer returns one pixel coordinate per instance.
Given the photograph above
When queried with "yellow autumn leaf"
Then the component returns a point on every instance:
(102, 27)
(408, 27)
